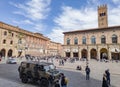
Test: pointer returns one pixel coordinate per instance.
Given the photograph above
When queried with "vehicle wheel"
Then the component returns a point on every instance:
(24, 79)
(44, 83)
(34, 80)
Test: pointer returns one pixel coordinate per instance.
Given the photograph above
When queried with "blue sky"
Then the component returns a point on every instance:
(53, 17)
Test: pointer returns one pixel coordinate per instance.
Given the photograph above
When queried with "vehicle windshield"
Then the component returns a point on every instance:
(49, 67)
(11, 59)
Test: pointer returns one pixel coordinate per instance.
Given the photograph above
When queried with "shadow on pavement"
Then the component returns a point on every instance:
(77, 79)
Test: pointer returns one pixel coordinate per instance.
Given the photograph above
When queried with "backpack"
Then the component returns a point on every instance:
(66, 80)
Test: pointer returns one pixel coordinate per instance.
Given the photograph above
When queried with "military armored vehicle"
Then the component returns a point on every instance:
(42, 72)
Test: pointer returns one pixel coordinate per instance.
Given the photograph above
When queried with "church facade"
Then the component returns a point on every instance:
(96, 43)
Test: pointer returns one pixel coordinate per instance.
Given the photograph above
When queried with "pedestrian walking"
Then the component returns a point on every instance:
(87, 69)
(64, 80)
(104, 82)
(62, 62)
(108, 76)
(47, 59)
(57, 83)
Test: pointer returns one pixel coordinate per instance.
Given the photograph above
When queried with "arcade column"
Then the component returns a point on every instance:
(64, 54)
(98, 54)
(88, 56)
(80, 54)
(109, 55)
(71, 54)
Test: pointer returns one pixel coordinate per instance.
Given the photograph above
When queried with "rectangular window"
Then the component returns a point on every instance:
(114, 40)
(93, 41)
(103, 41)
(76, 42)
(68, 43)
(84, 42)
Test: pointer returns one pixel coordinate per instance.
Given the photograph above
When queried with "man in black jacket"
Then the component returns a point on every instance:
(108, 76)
(57, 83)
(63, 81)
(87, 69)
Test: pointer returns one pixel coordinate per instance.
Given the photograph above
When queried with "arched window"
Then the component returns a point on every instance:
(10, 52)
(68, 41)
(20, 41)
(12, 34)
(11, 42)
(76, 40)
(93, 40)
(84, 40)
(4, 41)
(5, 33)
(102, 14)
(103, 39)
(114, 38)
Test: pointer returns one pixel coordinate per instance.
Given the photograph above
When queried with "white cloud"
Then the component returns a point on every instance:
(33, 9)
(39, 27)
(73, 19)
(33, 12)
(23, 22)
(56, 35)
(114, 15)
(116, 1)
(27, 22)
(93, 2)
(77, 19)
(70, 19)
(36, 27)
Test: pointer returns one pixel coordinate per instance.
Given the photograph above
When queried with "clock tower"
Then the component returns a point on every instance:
(102, 16)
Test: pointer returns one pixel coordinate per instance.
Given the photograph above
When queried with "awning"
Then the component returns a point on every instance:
(115, 50)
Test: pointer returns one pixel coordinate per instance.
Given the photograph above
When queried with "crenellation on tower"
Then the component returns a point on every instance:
(102, 6)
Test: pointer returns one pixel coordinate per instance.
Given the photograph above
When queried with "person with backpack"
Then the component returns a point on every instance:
(57, 83)
(64, 80)
(107, 76)
(104, 82)
(87, 70)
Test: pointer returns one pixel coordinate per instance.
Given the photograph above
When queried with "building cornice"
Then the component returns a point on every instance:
(92, 29)
(93, 44)
(19, 30)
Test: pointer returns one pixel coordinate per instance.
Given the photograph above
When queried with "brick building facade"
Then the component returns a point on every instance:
(17, 42)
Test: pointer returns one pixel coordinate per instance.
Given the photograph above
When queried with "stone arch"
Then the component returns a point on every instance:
(93, 53)
(10, 51)
(103, 53)
(3, 52)
(84, 53)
